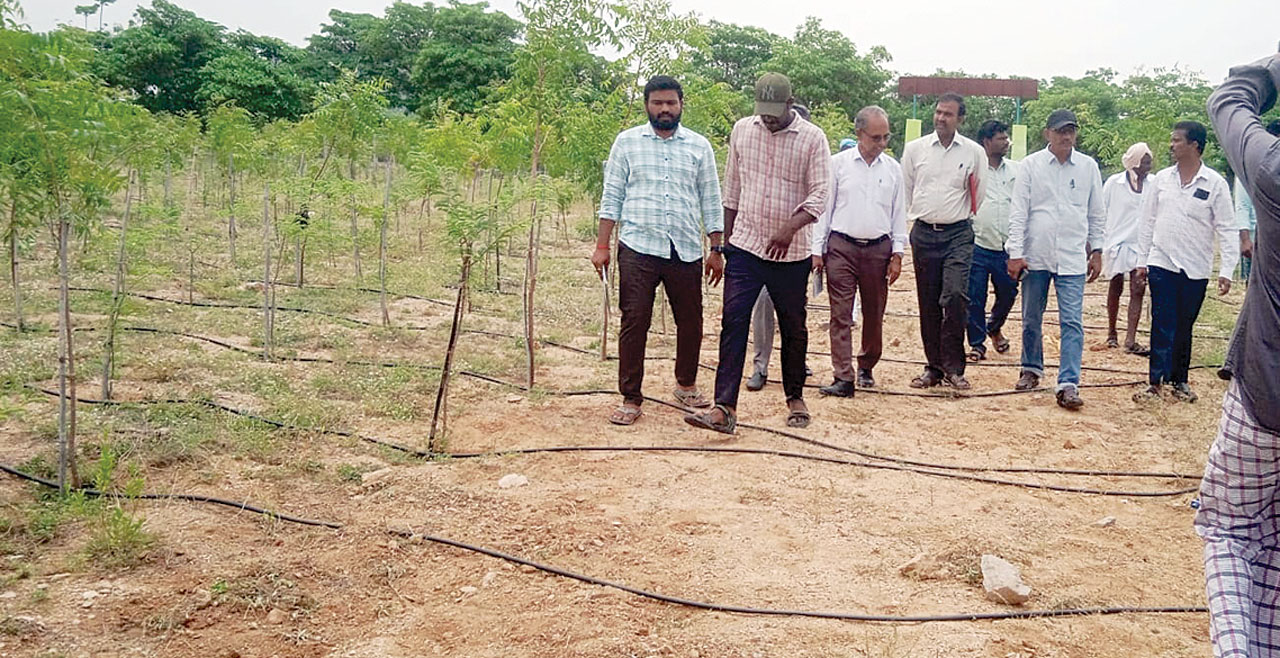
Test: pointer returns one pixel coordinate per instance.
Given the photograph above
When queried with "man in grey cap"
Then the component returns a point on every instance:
(776, 179)
(1056, 225)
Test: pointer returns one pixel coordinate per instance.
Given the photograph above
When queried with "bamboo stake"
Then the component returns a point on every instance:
(117, 295)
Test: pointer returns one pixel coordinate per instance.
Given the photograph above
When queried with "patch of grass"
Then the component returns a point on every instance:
(262, 589)
(118, 540)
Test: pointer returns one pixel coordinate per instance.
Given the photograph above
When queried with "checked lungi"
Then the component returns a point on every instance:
(1238, 522)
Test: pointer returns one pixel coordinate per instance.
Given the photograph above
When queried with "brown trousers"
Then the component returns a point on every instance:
(639, 275)
(852, 267)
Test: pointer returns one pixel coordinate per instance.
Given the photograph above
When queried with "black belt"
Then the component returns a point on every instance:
(944, 227)
(860, 242)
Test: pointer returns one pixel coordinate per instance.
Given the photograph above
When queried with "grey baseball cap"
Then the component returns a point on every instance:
(1059, 119)
(773, 90)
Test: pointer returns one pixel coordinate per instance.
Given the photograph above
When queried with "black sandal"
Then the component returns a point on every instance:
(703, 421)
(798, 418)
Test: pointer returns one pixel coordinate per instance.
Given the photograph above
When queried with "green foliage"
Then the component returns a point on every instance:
(470, 48)
(259, 73)
(735, 56)
(825, 68)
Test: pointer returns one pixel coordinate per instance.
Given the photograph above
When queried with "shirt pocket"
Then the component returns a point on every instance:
(885, 192)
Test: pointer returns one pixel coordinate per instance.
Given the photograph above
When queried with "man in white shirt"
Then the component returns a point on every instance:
(944, 174)
(859, 241)
(1123, 194)
(1189, 204)
(990, 262)
(1056, 226)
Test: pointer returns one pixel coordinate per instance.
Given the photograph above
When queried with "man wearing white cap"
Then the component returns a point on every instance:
(1123, 195)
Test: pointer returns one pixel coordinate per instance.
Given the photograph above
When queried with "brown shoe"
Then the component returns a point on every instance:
(1027, 381)
(957, 382)
(1069, 399)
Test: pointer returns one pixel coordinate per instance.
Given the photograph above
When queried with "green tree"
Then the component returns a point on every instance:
(825, 68)
(259, 74)
(161, 57)
(86, 11)
(735, 55)
(470, 49)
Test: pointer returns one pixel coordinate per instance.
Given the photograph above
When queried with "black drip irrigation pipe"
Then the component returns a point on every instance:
(894, 464)
(643, 593)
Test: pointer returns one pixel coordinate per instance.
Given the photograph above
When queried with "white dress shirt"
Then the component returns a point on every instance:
(937, 178)
(1057, 213)
(867, 201)
(1179, 222)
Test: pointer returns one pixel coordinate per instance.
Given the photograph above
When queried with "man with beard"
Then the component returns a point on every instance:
(662, 191)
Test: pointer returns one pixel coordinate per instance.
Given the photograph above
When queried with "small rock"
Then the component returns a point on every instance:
(512, 480)
(515, 399)
(468, 590)
(1003, 581)
(276, 617)
(1069, 445)
(924, 567)
(87, 604)
(489, 578)
(597, 543)
(89, 595)
(378, 478)
(1105, 522)
(525, 568)
(9, 595)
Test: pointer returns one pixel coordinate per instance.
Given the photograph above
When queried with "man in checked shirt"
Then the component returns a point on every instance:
(662, 189)
(775, 185)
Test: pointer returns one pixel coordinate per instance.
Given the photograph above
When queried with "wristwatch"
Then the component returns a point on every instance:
(718, 248)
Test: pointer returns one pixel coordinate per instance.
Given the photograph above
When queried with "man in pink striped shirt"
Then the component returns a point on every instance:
(775, 185)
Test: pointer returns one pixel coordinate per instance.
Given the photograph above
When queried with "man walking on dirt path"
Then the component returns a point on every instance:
(1056, 227)
(1124, 195)
(1238, 518)
(859, 241)
(945, 174)
(990, 262)
(775, 186)
(662, 190)
(1189, 204)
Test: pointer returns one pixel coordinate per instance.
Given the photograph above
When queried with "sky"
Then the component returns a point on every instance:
(1040, 39)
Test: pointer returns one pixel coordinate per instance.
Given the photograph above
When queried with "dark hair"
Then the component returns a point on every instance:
(1195, 132)
(802, 110)
(1274, 127)
(952, 97)
(989, 130)
(662, 83)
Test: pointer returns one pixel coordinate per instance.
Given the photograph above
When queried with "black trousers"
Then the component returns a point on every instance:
(638, 278)
(744, 275)
(941, 257)
(1175, 305)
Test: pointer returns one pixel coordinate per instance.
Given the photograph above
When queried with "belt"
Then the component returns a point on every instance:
(861, 242)
(944, 227)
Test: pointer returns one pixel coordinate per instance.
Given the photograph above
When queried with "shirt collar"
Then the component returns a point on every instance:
(648, 131)
(794, 127)
(935, 140)
(858, 156)
(1199, 174)
(1004, 164)
(1071, 157)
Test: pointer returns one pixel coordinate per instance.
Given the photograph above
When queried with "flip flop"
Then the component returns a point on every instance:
(1137, 349)
(693, 399)
(625, 415)
(1001, 345)
(703, 421)
(976, 355)
(1112, 343)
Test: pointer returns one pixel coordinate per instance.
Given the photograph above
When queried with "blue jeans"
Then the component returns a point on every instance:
(1035, 295)
(993, 266)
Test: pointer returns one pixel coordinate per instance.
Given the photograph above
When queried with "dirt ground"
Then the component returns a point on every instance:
(732, 529)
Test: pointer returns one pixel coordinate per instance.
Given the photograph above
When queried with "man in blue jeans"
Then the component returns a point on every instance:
(990, 262)
(1057, 222)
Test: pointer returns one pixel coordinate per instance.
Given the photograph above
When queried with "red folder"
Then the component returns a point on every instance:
(973, 194)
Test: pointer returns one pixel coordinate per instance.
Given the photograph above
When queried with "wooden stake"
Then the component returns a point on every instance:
(117, 295)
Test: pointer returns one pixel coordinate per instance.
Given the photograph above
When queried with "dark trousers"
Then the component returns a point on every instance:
(1175, 305)
(941, 256)
(744, 275)
(638, 278)
(853, 267)
(990, 266)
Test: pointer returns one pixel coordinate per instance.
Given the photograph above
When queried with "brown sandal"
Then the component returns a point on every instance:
(692, 399)
(625, 415)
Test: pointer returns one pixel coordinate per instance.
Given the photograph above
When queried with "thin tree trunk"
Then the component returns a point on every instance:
(13, 262)
(268, 312)
(168, 182)
(355, 231)
(438, 415)
(68, 478)
(231, 204)
(117, 295)
(382, 249)
(191, 273)
(298, 267)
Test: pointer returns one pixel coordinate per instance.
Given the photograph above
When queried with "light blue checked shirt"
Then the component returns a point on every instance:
(662, 192)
